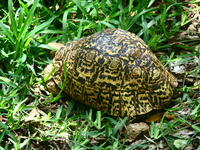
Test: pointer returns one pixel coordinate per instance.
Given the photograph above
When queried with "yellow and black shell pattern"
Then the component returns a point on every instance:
(114, 71)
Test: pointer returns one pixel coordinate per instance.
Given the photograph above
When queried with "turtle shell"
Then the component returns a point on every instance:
(114, 71)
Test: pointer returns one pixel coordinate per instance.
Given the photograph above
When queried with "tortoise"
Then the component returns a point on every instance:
(112, 70)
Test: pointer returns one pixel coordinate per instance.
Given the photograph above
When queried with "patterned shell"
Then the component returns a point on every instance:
(114, 71)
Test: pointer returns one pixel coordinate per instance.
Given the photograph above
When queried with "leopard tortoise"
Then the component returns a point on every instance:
(112, 70)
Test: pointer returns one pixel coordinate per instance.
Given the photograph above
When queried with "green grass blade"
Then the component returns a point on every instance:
(103, 5)
(106, 24)
(88, 21)
(3, 132)
(24, 143)
(11, 15)
(80, 30)
(58, 113)
(145, 28)
(139, 15)
(38, 28)
(114, 10)
(18, 107)
(5, 79)
(70, 107)
(96, 9)
(1, 148)
(78, 3)
(197, 128)
(6, 32)
(150, 3)
(98, 116)
(29, 19)
(130, 5)
(163, 19)
(21, 17)
(64, 26)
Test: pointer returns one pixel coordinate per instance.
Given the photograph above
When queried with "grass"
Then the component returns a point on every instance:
(29, 115)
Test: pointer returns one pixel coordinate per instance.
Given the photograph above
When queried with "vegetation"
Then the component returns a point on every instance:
(32, 118)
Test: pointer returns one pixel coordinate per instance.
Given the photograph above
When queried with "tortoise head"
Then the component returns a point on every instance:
(50, 82)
